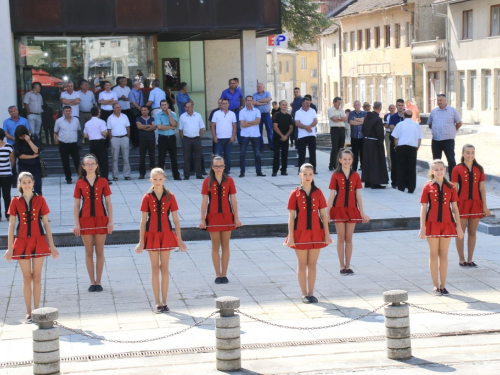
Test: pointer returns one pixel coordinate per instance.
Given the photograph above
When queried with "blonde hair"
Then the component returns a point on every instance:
(431, 172)
(155, 171)
(21, 176)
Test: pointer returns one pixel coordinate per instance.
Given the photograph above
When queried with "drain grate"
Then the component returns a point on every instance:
(211, 349)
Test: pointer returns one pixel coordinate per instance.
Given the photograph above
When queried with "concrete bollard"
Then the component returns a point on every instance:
(397, 325)
(46, 357)
(227, 334)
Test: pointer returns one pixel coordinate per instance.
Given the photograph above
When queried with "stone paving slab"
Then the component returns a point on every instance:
(263, 275)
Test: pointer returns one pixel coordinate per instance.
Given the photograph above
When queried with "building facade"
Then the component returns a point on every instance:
(474, 39)
(198, 42)
(307, 70)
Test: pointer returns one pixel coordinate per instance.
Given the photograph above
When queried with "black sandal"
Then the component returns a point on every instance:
(463, 264)
(472, 264)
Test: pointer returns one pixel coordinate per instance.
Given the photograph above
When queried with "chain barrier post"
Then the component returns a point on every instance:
(46, 357)
(397, 324)
(227, 334)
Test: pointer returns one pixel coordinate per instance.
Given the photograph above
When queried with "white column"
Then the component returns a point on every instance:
(7, 64)
(248, 50)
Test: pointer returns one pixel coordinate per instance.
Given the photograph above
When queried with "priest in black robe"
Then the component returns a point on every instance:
(374, 173)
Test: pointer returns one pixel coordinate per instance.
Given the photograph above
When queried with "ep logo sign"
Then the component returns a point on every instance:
(280, 40)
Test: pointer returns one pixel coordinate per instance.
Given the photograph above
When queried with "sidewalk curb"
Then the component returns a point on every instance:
(130, 236)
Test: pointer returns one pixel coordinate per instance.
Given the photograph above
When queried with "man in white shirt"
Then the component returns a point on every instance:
(66, 134)
(72, 98)
(224, 132)
(250, 132)
(123, 92)
(33, 103)
(87, 102)
(119, 134)
(191, 130)
(337, 118)
(96, 131)
(407, 139)
(107, 99)
(306, 120)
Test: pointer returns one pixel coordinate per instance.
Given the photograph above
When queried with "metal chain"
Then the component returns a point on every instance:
(449, 312)
(311, 328)
(79, 332)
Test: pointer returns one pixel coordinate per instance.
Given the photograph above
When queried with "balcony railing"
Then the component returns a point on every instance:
(428, 51)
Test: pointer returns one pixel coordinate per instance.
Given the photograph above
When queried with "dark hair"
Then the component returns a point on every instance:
(248, 96)
(231, 79)
(20, 130)
(305, 98)
(145, 106)
(474, 162)
(275, 102)
(36, 83)
(104, 82)
(308, 97)
(182, 86)
(166, 101)
(22, 175)
(337, 99)
(442, 95)
(296, 88)
(211, 175)
(82, 81)
(342, 151)
(347, 110)
(2, 134)
(227, 100)
(82, 172)
(67, 107)
(118, 79)
(308, 166)
(236, 79)
(115, 104)
(94, 111)
(400, 101)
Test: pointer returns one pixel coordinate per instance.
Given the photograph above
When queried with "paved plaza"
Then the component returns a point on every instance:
(262, 274)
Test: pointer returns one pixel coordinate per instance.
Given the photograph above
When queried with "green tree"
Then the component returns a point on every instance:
(302, 20)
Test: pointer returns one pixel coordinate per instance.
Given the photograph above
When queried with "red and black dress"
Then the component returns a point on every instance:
(470, 202)
(439, 221)
(93, 215)
(220, 216)
(308, 231)
(30, 241)
(159, 234)
(345, 204)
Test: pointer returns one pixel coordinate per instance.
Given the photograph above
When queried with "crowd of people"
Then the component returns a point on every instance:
(447, 207)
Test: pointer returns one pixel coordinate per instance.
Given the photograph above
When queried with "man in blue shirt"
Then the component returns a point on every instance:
(9, 126)
(262, 102)
(356, 119)
(166, 123)
(155, 97)
(235, 98)
(296, 105)
(182, 98)
(395, 119)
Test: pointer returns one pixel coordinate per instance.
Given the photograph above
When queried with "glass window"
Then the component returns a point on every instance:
(487, 90)
(397, 35)
(352, 41)
(408, 34)
(377, 37)
(314, 73)
(303, 62)
(368, 38)
(360, 39)
(467, 24)
(494, 23)
(334, 50)
(280, 68)
(387, 35)
(473, 89)
(345, 42)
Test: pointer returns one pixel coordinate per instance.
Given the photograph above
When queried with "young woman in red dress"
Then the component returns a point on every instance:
(308, 230)
(29, 245)
(157, 235)
(93, 217)
(468, 177)
(219, 215)
(345, 207)
(439, 222)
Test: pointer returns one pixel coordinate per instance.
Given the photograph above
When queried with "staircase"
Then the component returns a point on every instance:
(52, 159)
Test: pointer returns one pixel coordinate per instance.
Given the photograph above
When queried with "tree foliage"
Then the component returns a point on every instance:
(302, 20)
